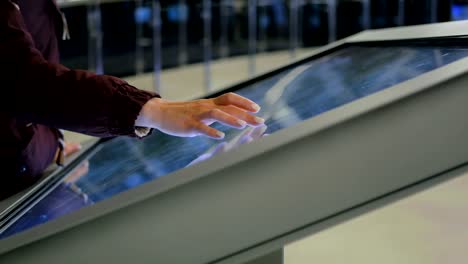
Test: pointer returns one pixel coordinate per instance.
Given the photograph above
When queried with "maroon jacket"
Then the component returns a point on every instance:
(38, 95)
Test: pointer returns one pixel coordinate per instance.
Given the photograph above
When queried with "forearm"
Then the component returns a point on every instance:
(78, 101)
(51, 94)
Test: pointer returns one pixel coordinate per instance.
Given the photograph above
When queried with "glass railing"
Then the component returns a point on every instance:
(125, 38)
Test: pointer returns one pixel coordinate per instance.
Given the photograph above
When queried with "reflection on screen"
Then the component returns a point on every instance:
(286, 99)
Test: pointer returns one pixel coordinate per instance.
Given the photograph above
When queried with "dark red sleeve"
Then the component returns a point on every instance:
(50, 94)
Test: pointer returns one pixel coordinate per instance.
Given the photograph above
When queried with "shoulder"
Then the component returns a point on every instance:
(12, 3)
(8, 7)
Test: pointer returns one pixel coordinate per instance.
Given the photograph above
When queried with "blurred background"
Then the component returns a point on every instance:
(185, 49)
(131, 38)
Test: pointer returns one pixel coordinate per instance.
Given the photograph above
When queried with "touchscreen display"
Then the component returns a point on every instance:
(286, 99)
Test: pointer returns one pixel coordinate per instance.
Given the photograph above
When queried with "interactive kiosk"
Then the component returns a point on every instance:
(363, 121)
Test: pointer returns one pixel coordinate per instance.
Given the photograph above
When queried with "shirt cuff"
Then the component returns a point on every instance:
(142, 132)
(128, 102)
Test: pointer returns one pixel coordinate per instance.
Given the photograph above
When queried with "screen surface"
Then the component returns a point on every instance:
(287, 98)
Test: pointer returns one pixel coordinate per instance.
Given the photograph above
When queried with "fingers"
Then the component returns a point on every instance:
(206, 130)
(71, 148)
(232, 116)
(258, 132)
(237, 100)
(252, 134)
(245, 140)
(248, 140)
(224, 118)
(80, 171)
(220, 148)
(241, 114)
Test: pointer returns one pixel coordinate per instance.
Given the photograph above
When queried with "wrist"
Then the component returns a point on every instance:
(149, 114)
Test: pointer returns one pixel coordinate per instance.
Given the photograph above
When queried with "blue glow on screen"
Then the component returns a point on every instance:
(312, 88)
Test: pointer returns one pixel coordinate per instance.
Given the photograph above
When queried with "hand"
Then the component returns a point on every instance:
(70, 181)
(71, 148)
(189, 119)
(245, 137)
(80, 171)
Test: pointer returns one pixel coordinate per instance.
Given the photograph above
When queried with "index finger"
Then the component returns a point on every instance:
(237, 100)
